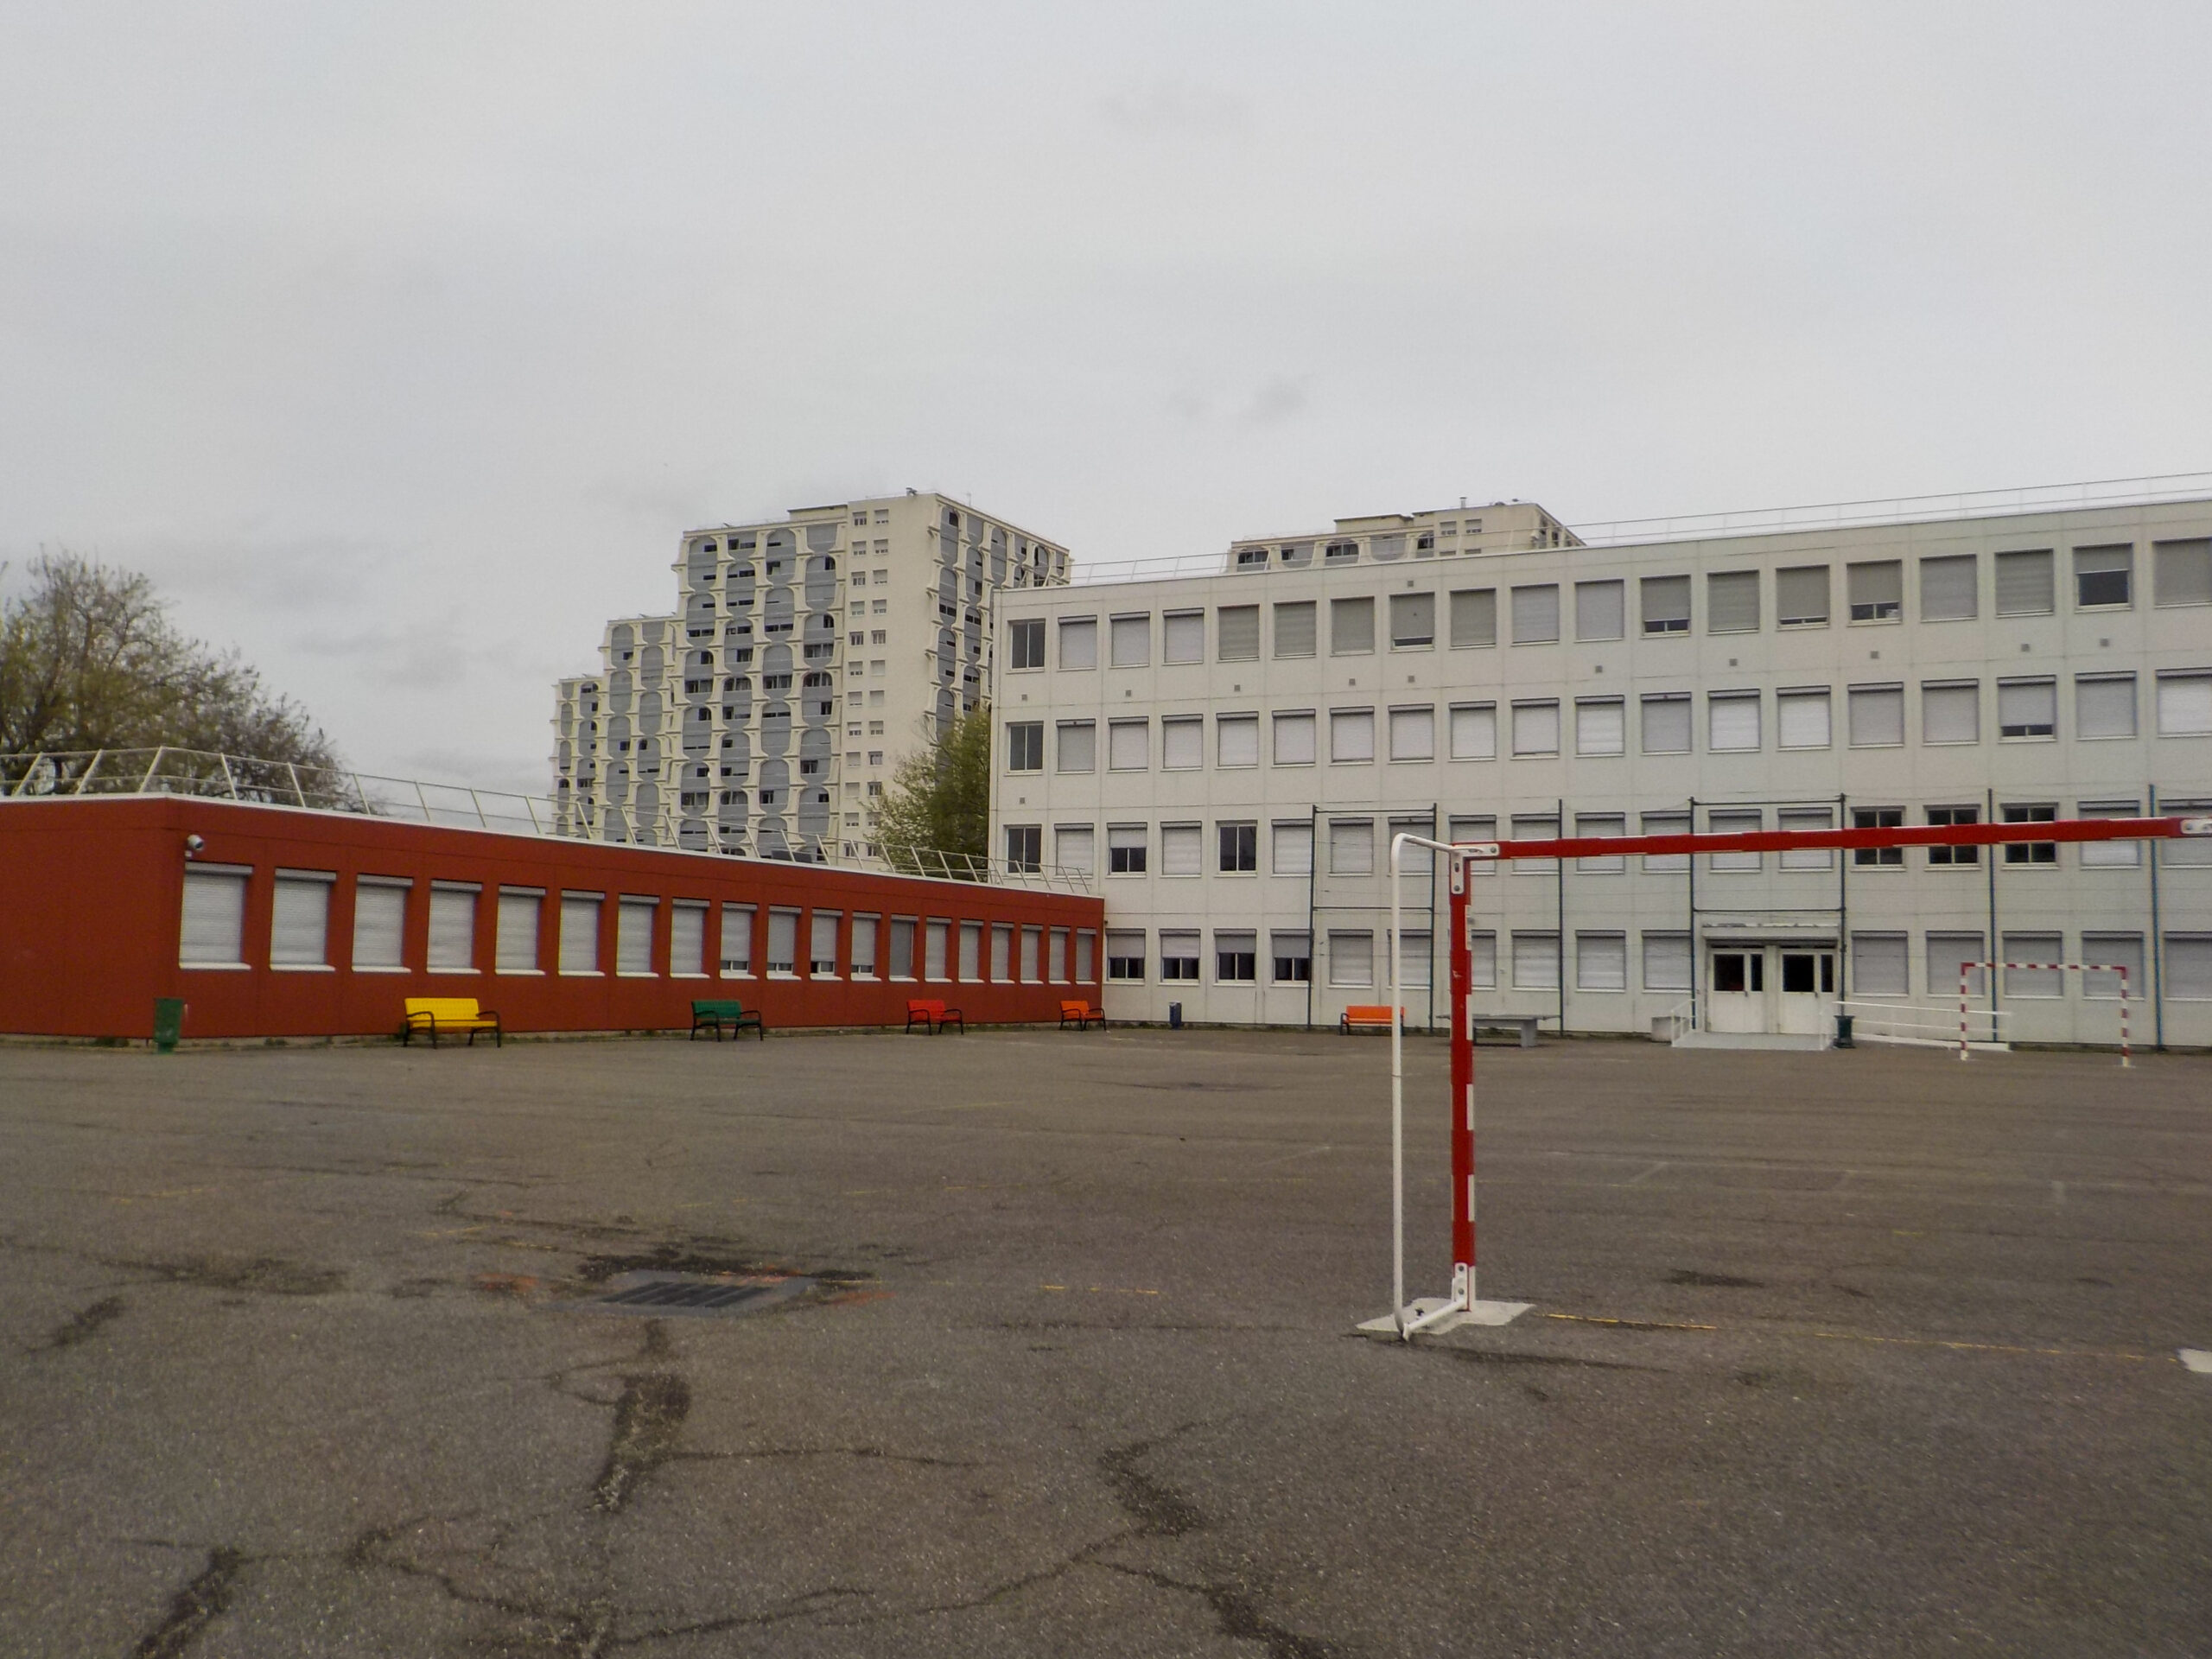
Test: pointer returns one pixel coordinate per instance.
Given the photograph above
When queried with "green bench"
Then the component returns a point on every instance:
(720, 1016)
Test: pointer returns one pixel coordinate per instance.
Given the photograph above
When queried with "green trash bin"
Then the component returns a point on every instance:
(169, 1023)
(1843, 1032)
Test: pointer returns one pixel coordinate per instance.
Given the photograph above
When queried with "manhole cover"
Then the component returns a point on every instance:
(697, 1294)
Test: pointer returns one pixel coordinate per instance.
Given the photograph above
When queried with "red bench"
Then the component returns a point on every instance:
(933, 1016)
(1082, 1013)
(1367, 1016)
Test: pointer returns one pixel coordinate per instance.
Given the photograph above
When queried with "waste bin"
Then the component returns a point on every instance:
(1843, 1032)
(1174, 1016)
(168, 1022)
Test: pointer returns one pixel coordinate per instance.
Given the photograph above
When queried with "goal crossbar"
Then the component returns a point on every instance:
(1462, 1305)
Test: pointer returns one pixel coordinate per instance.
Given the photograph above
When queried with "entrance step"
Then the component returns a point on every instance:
(1806, 1043)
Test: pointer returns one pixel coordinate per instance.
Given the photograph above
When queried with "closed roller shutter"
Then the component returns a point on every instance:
(380, 923)
(299, 929)
(213, 932)
(453, 928)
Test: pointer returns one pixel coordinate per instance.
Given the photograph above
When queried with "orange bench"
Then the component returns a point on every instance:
(933, 1014)
(1367, 1016)
(451, 1014)
(1082, 1013)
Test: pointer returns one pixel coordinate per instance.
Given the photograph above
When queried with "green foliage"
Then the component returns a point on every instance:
(939, 799)
(89, 660)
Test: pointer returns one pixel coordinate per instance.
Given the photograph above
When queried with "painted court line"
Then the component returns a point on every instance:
(2195, 1359)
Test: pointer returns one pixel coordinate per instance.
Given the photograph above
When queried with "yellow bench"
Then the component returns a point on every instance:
(450, 1014)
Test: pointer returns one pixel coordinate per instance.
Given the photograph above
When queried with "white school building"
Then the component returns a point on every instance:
(1230, 752)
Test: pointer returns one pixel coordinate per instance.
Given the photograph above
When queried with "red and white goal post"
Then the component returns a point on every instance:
(1462, 1306)
(1965, 983)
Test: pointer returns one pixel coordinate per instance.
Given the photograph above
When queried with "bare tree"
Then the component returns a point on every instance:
(90, 660)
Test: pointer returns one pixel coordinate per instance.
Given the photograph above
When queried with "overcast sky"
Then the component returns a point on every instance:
(399, 342)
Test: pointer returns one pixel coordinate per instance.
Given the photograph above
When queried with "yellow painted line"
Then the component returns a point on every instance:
(1107, 1290)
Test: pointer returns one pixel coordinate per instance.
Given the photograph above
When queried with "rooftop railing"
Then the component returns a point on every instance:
(1757, 521)
(207, 775)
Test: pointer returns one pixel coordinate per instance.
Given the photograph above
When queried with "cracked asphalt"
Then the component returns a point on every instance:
(1865, 1353)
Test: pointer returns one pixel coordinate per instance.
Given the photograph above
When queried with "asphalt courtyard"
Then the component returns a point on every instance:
(1868, 1353)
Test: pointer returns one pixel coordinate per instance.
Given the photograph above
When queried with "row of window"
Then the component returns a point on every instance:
(1881, 962)
(535, 931)
(1950, 588)
(1951, 711)
(1354, 848)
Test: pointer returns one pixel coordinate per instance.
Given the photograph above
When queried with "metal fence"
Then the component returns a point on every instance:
(207, 775)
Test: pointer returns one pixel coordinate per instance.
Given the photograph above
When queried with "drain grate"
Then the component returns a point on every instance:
(701, 1295)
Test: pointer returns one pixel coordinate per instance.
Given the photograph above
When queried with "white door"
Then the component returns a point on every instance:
(1808, 987)
(1736, 988)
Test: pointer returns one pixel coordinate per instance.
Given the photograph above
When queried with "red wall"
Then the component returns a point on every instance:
(91, 897)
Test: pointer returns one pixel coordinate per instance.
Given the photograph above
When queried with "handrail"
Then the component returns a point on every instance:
(206, 774)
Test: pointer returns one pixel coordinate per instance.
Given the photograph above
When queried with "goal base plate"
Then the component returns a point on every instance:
(1434, 1315)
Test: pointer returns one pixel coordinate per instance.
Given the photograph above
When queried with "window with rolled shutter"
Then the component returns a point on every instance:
(2182, 572)
(1412, 734)
(1535, 727)
(2188, 967)
(1078, 745)
(1181, 847)
(2118, 951)
(1732, 721)
(1600, 610)
(212, 930)
(1667, 724)
(2184, 704)
(2024, 583)
(1600, 726)
(1131, 641)
(1294, 628)
(1601, 962)
(937, 939)
(1666, 603)
(516, 950)
(1948, 588)
(1474, 618)
(687, 940)
(2027, 708)
(737, 941)
(1946, 953)
(1950, 712)
(380, 923)
(1294, 740)
(1731, 601)
(1667, 962)
(1880, 964)
(1352, 626)
(1236, 635)
(1075, 849)
(299, 921)
(1236, 740)
(1801, 596)
(580, 934)
(1352, 958)
(453, 928)
(1877, 715)
(633, 937)
(1182, 745)
(1291, 848)
(1128, 746)
(1877, 590)
(1351, 847)
(1182, 637)
(822, 942)
(1078, 642)
(1351, 735)
(1801, 719)
(1535, 615)
(2104, 705)
(1413, 621)
(1474, 731)
(1536, 961)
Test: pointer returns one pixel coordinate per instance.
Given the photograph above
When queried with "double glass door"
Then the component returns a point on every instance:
(1768, 988)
